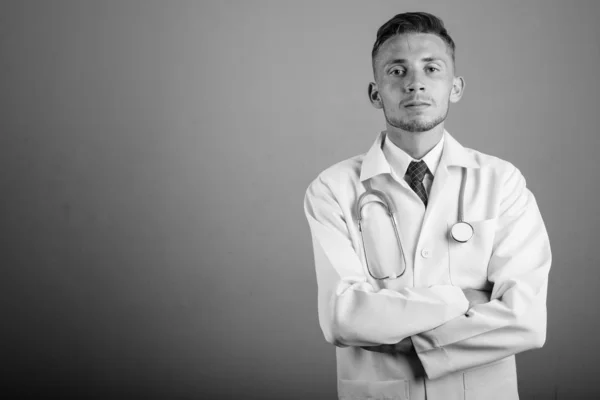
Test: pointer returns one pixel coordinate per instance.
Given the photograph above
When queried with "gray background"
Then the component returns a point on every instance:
(154, 158)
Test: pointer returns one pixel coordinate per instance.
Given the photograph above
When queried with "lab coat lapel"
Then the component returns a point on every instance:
(437, 188)
(446, 182)
(437, 205)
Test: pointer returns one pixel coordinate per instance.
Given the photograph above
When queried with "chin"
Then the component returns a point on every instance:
(416, 125)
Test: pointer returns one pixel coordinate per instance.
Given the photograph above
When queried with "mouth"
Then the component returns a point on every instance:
(416, 104)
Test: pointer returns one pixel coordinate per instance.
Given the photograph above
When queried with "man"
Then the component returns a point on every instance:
(448, 324)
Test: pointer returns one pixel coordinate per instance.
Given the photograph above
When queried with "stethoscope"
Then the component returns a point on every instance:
(461, 231)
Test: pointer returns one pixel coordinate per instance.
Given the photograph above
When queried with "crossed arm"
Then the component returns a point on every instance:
(451, 329)
(406, 346)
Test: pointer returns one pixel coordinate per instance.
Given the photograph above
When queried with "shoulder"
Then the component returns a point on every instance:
(496, 167)
(338, 176)
(330, 192)
(503, 178)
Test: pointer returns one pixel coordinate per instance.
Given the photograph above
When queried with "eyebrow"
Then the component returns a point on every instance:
(404, 61)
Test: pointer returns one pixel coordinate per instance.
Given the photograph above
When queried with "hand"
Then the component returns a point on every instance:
(476, 296)
(405, 347)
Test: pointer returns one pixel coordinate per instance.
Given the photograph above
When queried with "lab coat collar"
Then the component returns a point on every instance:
(374, 162)
(454, 154)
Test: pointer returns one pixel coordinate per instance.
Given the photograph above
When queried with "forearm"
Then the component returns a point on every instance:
(363, 318)
(406, 346)
(488, 332)
(353, 313)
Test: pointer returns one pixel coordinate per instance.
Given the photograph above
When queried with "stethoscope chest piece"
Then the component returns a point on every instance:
(462, 232)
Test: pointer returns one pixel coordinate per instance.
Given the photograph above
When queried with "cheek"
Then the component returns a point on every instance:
(392, 87)
(443, 95)
(392, 93)
(447, 88)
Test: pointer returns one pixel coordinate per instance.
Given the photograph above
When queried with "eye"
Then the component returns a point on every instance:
(397, 71)
(432, 69)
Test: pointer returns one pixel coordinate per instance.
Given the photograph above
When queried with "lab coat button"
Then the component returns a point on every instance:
(426, 253)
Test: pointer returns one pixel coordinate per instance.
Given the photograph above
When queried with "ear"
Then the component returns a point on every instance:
(374, 96)
(458, 88)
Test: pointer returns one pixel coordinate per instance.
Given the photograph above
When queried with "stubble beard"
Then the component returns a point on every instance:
(413, 125)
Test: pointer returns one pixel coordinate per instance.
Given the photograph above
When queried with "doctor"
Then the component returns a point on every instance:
(449, 326)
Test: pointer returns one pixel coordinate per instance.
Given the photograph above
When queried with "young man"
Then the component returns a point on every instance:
(442, 316)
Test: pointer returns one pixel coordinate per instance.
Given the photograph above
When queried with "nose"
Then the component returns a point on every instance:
(414, 83)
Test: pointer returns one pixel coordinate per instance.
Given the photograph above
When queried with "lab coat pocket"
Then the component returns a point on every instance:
(469, 261)
(375, 390)
(495, 381)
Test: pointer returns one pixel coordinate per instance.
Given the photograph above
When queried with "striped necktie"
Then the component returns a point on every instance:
(416, 172)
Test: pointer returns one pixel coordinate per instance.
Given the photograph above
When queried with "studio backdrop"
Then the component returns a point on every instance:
(154, 159)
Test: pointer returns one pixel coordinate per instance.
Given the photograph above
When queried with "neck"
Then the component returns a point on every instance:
(415, 144)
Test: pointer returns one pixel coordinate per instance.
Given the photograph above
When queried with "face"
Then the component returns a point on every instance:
(414, 81)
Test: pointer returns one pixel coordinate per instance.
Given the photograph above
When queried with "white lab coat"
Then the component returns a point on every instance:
(461, 353)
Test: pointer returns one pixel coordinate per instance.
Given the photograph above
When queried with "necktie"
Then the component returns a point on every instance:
(416, 172)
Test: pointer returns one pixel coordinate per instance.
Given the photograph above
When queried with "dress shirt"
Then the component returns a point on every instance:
(399, 161)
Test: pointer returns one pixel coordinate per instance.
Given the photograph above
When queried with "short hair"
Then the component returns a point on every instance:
(413, 22)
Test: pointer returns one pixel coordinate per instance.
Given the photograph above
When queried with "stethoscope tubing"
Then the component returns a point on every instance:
(461, 231)
(391, 211)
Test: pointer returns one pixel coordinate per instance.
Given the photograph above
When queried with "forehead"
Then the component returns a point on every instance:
(411, 46)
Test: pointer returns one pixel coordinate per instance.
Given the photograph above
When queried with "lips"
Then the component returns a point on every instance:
(416, 103)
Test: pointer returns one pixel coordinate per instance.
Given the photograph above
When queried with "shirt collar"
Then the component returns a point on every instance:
(452, 154)
(399, 160)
